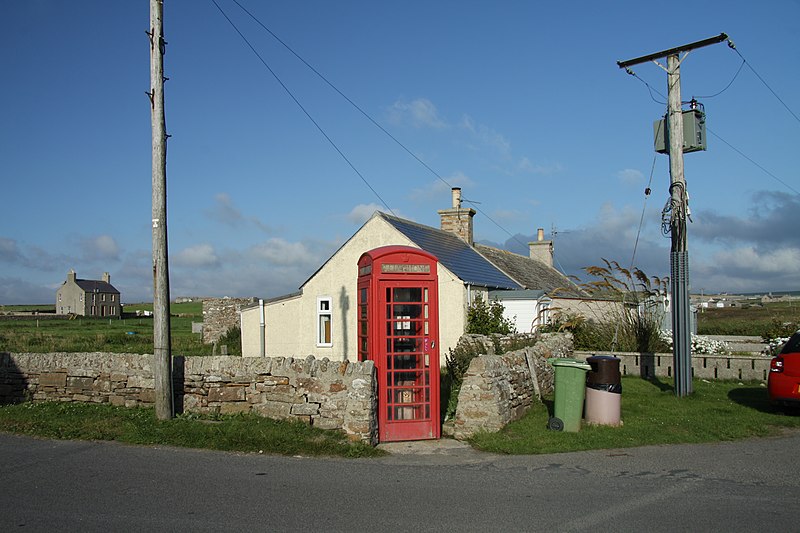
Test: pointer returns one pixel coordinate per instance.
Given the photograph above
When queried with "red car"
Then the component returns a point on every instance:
(784, 374)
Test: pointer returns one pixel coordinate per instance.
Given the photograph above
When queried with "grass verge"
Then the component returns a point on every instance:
(239, 433)
(652, 414)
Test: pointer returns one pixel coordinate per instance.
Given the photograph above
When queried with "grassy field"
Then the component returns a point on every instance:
(772, 320)
(130, 334)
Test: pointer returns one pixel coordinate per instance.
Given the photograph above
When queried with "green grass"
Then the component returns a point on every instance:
(652, 414)
(128, 335)
(752, 320)
(240, 433)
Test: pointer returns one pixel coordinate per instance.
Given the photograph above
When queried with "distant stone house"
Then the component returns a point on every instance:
(321, 319)
(88, 297)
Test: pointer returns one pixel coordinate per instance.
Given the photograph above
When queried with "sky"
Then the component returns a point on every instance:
(272, 166)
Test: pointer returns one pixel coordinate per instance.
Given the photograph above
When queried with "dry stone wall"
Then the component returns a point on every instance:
(498, 389)
(220, 315)
(326, 394)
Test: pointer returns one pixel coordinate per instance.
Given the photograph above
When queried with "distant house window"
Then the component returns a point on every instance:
(59, 297)
(112, 310)
(103, 297)
(81, 297)
(324, 318)
(113, 297)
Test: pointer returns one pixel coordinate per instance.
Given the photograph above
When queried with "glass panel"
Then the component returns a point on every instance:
(426, 328)
(426, 295)
(407, 294)
(388, 294)
(427, 411)
(406, 345)
(325, 329)
(389, 413)
(425, 314)
(363, 327)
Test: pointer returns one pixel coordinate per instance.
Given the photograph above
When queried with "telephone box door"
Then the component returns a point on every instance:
(398, 315)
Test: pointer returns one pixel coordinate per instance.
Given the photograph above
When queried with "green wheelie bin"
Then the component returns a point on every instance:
(570, 391)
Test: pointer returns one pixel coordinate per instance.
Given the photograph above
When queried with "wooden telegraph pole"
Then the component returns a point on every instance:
(679, 254)
(162, 346)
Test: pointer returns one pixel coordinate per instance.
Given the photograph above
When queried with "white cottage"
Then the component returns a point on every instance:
(321, 318)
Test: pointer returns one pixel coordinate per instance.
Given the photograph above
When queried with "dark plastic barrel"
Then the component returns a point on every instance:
(603, 390)
(605, 374)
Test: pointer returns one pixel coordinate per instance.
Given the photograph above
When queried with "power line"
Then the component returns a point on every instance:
(296, 101)
(732, 46)
(366, 115)
(773, 176)
(729, 83)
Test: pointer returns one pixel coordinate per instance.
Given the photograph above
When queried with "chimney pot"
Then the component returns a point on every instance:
(540, 234)
(456, 197)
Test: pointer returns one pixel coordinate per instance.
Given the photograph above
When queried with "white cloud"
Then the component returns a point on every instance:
(527, 166)
(486, 136)
(630, 176)
(102, 247)
(225, 212)
(362, 212)
(201, 255)
(278, 251)
(420, 113)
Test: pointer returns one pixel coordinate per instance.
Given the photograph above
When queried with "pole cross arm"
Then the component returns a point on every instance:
(672, 51)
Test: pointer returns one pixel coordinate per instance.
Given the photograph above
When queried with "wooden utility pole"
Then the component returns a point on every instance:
(162, 345)
(679, 254)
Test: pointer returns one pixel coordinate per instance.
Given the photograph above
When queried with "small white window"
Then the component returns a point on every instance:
(324, 319)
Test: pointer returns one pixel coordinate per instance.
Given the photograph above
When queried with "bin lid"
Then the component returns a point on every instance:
(567, 361)
(605, 369)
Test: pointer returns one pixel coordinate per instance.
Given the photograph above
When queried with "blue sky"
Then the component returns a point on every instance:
(521, 104)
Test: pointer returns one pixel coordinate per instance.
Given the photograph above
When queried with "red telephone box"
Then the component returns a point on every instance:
(398, 329)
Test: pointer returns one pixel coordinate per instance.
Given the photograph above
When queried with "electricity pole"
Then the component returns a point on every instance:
(162, 346)
(679, 254)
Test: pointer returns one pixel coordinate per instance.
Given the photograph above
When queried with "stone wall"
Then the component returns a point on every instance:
(738, 367)
(498, 389)
(220, 315)
(325, 394)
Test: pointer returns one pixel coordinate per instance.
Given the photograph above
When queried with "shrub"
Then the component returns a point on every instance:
(487, 319)
(634, 325)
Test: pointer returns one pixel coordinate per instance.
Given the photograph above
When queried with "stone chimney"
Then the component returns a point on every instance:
(71, 276)
(107, 277)
(542, 250)
(458, 220)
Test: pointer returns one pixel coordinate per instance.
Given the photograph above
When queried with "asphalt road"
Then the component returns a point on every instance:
(86, 486)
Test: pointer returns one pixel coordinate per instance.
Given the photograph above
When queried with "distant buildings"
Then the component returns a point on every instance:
(88, 297)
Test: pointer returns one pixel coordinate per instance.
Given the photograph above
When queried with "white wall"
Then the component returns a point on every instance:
(291, 328)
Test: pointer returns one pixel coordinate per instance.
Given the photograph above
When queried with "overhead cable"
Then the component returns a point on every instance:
(296, 101)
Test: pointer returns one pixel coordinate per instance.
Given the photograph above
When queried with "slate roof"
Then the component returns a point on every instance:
(460, 258)
(531, 273)
(92, 285)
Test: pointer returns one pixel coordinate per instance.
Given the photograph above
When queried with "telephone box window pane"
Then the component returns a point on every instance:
(426, 295)
(408, 294)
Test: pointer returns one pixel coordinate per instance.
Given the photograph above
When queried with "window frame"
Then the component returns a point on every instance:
(320, 339)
